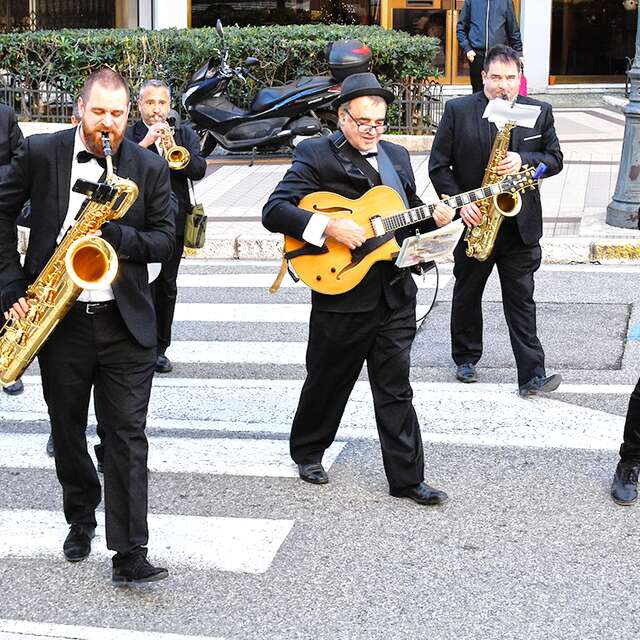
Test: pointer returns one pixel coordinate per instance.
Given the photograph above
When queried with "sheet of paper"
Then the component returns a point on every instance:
(435, 245)
(500, 112)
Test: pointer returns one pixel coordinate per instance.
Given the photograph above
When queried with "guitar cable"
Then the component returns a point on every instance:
(420, 322)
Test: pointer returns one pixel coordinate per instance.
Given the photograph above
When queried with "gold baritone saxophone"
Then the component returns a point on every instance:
(482, 238)
(80, 261)
(177, 157)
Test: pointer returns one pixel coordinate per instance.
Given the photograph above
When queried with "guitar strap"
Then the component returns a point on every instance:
(389, 175)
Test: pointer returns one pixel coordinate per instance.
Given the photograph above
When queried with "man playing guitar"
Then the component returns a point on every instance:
(375, 320)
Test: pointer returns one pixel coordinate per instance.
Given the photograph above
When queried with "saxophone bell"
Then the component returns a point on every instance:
(508, 204)
(91, 263)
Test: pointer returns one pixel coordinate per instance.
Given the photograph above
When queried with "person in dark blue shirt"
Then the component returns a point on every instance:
(483, 24)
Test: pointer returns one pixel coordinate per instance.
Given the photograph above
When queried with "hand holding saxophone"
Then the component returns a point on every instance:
(19, 309)
(510, 164)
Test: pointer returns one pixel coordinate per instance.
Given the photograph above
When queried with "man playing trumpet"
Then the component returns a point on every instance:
(154, 133)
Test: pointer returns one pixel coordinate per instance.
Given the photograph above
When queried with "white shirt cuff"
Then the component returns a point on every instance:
(314, 231)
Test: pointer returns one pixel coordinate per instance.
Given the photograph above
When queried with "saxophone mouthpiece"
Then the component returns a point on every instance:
(540, 169)
(106, 145)
(106, 148)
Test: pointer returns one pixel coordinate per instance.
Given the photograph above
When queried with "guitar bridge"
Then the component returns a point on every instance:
(377, 225)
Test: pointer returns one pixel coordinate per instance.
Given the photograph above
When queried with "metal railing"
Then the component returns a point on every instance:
(417, 109)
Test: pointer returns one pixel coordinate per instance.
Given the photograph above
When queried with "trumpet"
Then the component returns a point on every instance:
(177, 157)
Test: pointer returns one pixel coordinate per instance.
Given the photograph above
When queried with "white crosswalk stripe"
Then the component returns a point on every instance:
(265, 280)
(280, 313)
(245, 545)
(23, 630)
(215, 456)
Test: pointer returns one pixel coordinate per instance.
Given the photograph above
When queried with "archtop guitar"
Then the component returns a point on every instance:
(334, 268)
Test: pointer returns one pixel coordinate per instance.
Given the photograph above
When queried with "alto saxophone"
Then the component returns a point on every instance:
(482, 238)
(80, 261)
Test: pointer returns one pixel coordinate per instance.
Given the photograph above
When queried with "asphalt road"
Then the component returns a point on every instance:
(528, 546)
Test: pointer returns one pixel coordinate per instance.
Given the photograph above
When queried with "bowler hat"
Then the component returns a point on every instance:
(362, 84)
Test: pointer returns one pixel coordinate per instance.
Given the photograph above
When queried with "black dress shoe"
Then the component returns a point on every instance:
(313, 473)
(421, 493)
(51, 450)
(467, 372)
(540, 384)
(77, 545)
(163, 364)
(14, 389)
(624, 489)
(134, 568)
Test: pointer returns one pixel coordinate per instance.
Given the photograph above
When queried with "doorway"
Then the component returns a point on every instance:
(437, 18)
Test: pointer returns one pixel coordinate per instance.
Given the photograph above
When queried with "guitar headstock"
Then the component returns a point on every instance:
(526, 178)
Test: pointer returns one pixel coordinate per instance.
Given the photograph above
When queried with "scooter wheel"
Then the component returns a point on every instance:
(207, 144)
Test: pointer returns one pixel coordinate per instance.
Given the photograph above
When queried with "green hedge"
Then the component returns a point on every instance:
(65, 57)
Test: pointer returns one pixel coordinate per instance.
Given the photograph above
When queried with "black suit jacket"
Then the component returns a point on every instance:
(184, 137)
(319, 165)
(42, 171)
(462, 146)
(11, 138)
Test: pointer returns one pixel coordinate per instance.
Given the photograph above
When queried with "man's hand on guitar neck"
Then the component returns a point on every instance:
(346, 231)
(443, 214)
(470, 213)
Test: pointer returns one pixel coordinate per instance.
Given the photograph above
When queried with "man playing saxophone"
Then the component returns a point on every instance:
(154, 133)
(460, 154)
(107, 338)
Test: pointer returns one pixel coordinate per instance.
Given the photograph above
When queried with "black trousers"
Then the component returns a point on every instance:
(516, 264)
(86, 350)
(339, 344)
(475, 71)
(165, 291)
(630, 449)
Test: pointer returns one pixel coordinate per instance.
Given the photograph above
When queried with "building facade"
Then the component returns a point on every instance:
(566, 42)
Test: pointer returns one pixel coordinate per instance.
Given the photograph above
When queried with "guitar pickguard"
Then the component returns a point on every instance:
(359, 253)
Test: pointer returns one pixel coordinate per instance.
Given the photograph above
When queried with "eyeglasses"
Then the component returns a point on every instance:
(368, 128)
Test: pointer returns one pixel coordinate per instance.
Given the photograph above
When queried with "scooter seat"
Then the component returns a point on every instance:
(268, 96)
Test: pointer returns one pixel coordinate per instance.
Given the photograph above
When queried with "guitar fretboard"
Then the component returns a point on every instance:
(420, 214)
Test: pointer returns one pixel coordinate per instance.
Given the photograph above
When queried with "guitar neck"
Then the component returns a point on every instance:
(425, 212)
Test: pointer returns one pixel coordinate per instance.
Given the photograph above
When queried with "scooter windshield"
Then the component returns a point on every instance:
(200, 73)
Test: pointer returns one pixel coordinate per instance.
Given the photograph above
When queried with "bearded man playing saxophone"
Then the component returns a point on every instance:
(107, 339)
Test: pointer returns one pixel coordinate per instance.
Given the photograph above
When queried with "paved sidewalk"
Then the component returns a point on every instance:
(574, 202)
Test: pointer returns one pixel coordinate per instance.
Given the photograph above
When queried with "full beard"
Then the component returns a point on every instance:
(93, 140)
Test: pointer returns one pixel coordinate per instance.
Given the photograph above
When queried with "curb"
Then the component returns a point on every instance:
(616, 102)
(570, 250)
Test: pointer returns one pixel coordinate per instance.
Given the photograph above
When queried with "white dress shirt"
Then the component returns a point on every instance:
(153, 268)
(314, 232)
(91, 171)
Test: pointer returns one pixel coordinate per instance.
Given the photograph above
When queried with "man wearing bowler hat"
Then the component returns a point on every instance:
(375, 321)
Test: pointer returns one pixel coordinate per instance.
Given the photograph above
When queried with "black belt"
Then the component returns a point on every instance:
(93, 308)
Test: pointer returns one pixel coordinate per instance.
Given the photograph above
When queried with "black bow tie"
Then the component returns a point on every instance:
(371, 154)
(85, 156)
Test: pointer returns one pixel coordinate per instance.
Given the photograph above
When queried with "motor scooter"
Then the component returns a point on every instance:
(277, 114)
